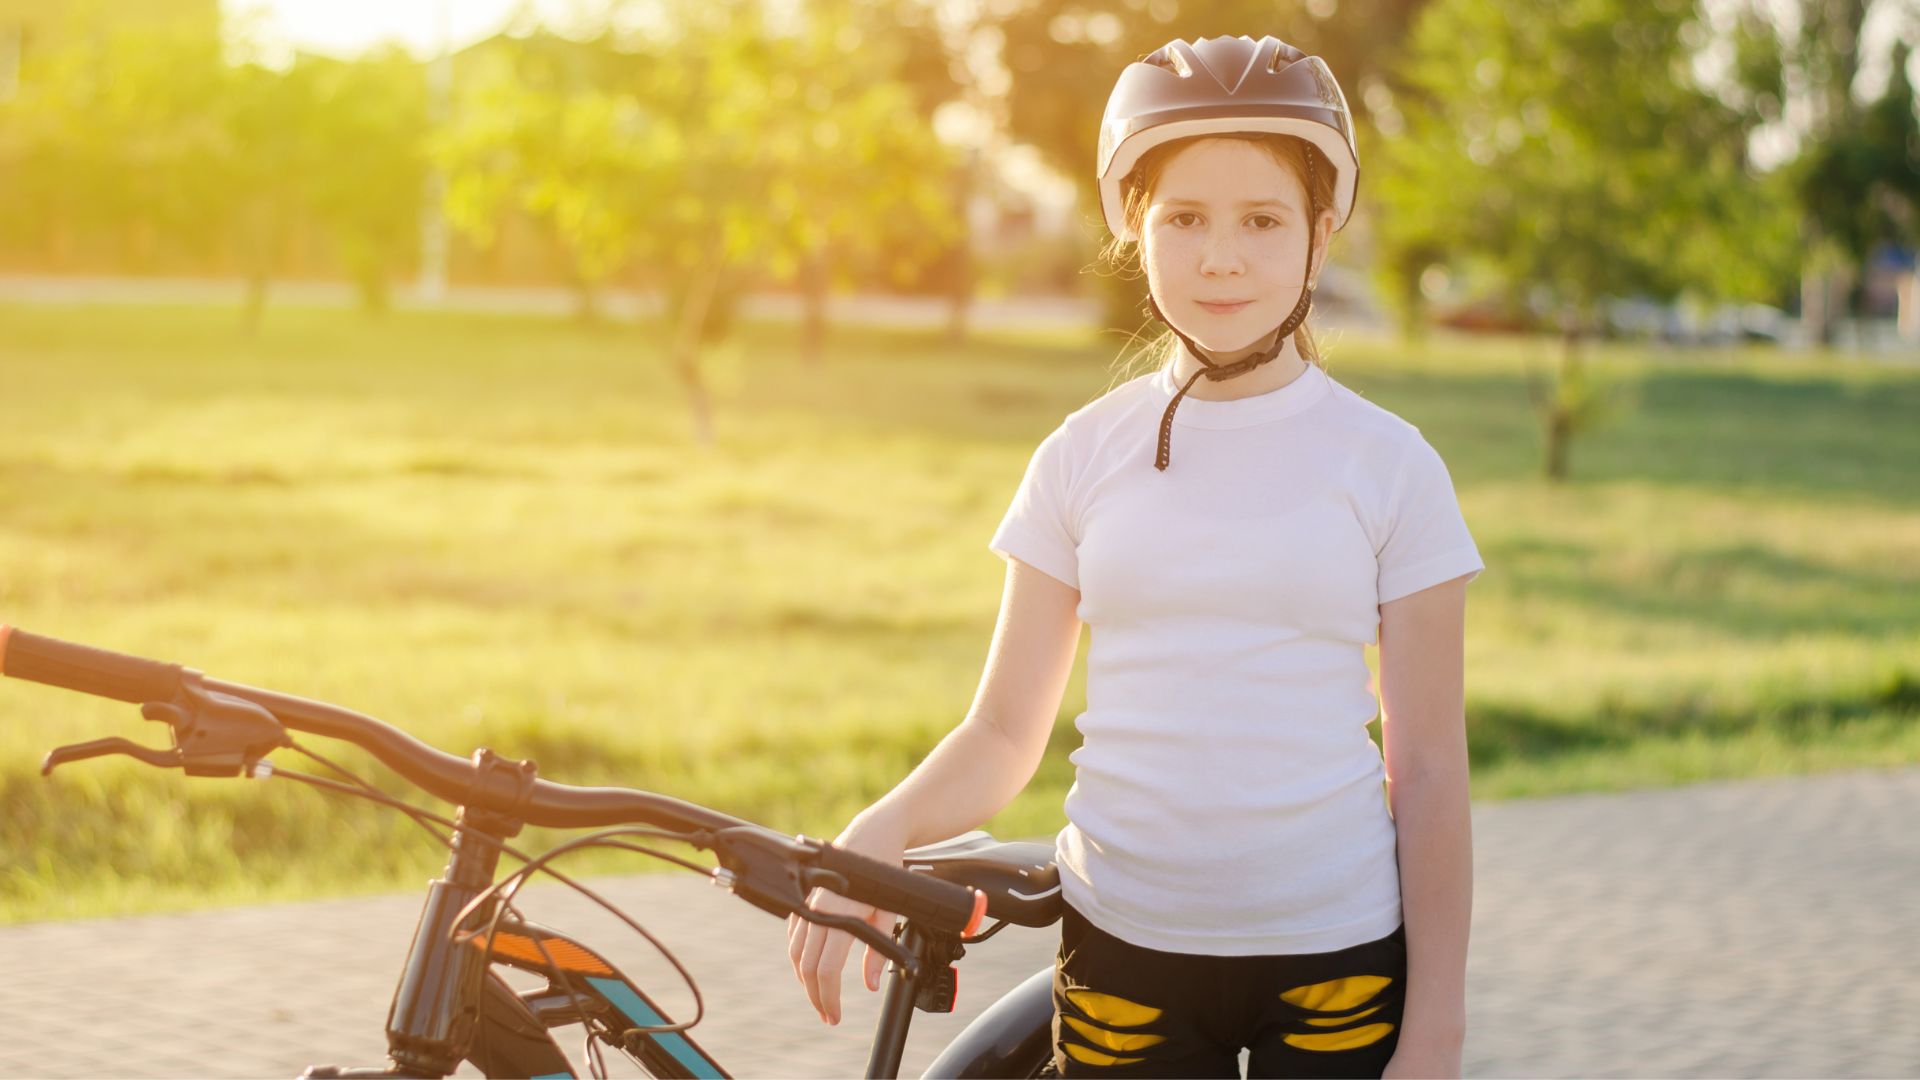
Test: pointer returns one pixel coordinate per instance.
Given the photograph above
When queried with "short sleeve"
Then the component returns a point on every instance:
(1036, 529)
(1427, 541)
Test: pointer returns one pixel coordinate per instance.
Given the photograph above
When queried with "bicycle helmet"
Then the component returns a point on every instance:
(1210, 87)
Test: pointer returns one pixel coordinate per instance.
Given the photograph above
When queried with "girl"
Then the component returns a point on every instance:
(1232, 875)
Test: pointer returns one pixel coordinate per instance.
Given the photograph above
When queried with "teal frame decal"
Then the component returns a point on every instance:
(622, 997)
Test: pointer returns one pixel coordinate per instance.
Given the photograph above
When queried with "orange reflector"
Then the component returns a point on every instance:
(566, 955)
(979, 914)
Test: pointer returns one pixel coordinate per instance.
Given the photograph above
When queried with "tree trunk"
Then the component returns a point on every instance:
(960, 292)
(259, 243)
(1815, 326)
(586, 302)
(687, 340)
(814, 280)
(1559, 411)
(253, 312)
(1907, 316)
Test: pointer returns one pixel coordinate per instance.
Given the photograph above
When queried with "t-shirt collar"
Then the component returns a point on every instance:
(1306, 388)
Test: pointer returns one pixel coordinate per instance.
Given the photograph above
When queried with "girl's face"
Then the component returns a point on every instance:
(1228, 223)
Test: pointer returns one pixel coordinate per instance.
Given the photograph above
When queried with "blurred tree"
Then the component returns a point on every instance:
(1860, 186)
(581, 161)
(854, 170)
(1847, 178)
(268, 166)
(114, 142)
(1568, 156)
(726, 144)
(370, 124)
(140, 137)
(914, 46)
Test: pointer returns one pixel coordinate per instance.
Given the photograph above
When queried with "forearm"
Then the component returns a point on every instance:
(974, 772)
(1431, 814)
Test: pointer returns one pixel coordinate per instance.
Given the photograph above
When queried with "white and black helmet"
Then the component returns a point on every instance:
(1221, 85)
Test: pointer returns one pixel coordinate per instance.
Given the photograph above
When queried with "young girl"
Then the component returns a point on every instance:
(1233, 875)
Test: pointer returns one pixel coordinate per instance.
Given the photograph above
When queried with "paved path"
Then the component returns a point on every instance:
(1758, 928)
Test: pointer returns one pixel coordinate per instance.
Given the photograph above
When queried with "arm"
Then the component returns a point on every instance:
(977, 769)
(988, 758)
(1423, 727)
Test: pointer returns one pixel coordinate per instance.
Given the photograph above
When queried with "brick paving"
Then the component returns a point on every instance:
(1753, 928)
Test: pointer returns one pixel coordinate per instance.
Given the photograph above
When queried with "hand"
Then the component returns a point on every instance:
(819, 954)
(1424, 1060)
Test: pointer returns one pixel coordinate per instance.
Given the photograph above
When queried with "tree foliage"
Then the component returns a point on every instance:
(1575, 158)
(1564, 158)
(141, 136)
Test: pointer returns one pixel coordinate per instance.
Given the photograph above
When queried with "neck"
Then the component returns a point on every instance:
(1266, 378)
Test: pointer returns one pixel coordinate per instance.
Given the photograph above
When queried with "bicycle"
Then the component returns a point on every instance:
(451, 1005)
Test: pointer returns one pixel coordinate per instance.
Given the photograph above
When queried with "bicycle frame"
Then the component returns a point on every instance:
(436, 1022)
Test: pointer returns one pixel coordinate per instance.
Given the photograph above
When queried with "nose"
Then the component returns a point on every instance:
(1220, 254)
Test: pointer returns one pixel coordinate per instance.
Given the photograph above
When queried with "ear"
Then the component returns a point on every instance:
(1322, 237)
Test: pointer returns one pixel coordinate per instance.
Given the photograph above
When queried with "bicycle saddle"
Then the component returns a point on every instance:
(1021, 882)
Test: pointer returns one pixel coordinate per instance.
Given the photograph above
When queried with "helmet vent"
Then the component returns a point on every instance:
(1284, 56)
(1170, 58)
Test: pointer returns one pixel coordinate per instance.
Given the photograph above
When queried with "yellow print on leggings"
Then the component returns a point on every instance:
(1337, 1000)
(1099, 1016)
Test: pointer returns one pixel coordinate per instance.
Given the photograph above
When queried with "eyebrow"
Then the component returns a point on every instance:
(1247, 203)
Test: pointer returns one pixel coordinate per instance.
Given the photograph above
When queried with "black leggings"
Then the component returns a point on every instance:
(1123, 1010)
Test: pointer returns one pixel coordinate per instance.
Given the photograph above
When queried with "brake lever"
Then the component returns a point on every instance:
(214, 734)
(764, 869)
(886, 946)
(61, 755)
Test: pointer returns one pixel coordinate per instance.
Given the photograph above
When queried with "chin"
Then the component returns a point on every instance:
(1233, 344)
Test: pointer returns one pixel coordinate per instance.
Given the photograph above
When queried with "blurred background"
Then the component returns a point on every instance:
(634, 386)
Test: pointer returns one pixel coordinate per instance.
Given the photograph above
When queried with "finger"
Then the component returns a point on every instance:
(833, 961)
(810, 970)
(797, 945)
(876, 963)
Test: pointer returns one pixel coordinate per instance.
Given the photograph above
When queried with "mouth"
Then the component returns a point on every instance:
(1223, 309)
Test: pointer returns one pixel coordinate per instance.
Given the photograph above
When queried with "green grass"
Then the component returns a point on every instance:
(496, 531)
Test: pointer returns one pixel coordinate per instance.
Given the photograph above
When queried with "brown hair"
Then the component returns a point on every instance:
(1136, 190)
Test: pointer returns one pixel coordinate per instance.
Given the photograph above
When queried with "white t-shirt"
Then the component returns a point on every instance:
(1227, 799)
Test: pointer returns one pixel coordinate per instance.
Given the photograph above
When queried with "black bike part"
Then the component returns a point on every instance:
(934, 904)
(431, 1024)
(86, 669)
(511, 1040)
(214, 734)
(1014, 1037)
(1019, 876)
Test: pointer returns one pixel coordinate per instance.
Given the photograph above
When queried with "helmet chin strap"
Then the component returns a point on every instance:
(1218, 372)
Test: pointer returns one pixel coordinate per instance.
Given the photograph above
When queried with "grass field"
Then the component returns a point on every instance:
(496, 531)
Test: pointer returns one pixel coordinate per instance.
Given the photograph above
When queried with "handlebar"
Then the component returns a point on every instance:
(181, 694)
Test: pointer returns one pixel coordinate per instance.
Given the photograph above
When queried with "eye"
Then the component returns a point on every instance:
(1266, 217)
(1175, 219)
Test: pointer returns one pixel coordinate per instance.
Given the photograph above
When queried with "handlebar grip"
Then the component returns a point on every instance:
(941, 905)
(89, 670)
